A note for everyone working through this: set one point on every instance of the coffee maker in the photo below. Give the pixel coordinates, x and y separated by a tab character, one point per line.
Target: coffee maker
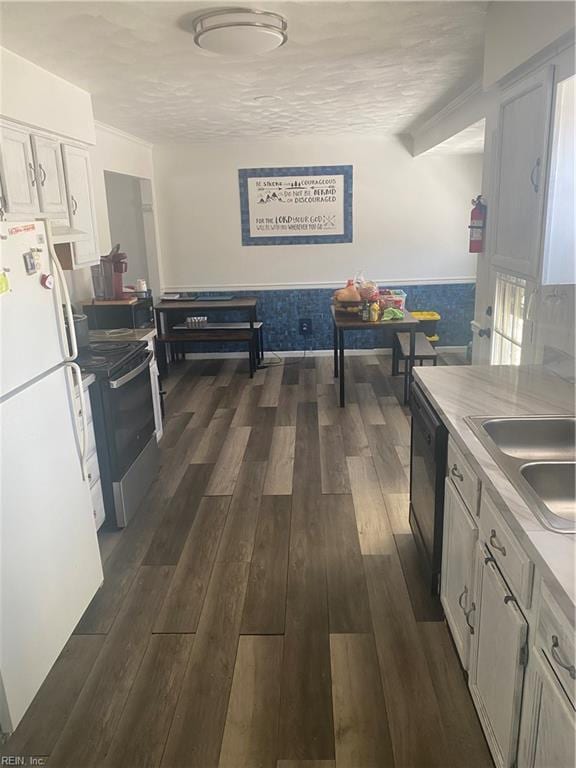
107	276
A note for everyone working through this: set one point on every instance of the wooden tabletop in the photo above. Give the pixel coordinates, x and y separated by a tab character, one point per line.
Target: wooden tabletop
354	322
240	303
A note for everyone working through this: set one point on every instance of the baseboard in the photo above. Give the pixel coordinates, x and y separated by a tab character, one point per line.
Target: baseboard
308	353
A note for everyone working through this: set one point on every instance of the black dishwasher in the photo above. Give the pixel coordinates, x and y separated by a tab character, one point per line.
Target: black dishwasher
427	472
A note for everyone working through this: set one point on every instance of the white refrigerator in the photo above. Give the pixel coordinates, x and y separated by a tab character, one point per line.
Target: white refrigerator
50	565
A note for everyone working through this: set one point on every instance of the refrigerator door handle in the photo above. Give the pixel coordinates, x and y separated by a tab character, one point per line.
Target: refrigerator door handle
73	344
77	375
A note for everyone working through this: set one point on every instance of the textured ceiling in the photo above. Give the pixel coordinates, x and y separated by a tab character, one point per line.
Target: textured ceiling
347	68
470	141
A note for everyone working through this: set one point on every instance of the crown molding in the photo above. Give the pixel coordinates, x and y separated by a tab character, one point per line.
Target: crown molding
122	134
456	103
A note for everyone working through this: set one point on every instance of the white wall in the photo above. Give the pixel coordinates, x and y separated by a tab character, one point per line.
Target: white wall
516	31
410	215
31	95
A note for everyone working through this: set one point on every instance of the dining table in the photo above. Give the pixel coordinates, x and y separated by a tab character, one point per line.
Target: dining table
344	322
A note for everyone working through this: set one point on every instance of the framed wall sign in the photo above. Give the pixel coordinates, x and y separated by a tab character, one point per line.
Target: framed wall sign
296	206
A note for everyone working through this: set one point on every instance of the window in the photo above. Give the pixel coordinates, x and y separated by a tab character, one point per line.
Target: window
508	320
559	244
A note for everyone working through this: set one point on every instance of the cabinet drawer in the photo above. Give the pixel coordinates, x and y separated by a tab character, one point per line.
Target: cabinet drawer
97	504
90	441
92	468
462	477
555	637
511	558
78	408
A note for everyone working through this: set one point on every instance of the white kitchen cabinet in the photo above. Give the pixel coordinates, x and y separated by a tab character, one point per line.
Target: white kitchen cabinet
457	581
19	180
548	720
92	465
518	205
49	175
498	659
80	205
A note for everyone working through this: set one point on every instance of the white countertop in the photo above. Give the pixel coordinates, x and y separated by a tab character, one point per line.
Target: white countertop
460	391
87	380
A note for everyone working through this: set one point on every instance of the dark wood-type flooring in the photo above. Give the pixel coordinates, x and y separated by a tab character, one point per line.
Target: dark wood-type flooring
265	608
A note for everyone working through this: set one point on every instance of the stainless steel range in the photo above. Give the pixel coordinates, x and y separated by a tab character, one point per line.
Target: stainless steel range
123	412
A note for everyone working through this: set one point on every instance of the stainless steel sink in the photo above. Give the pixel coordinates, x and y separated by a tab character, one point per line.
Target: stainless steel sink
538	455
553	482
543	438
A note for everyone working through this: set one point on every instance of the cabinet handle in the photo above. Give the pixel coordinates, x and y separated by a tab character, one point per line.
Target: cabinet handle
2	207
570	668
32	173
467	615
74	205
535	176
494	542
43	172
457	473
463	594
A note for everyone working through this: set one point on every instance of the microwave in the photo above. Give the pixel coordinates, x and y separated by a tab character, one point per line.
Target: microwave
119	314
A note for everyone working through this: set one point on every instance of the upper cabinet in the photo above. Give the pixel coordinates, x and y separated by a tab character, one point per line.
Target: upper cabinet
517	209
80	204
559	241
19	194
49	176
40	176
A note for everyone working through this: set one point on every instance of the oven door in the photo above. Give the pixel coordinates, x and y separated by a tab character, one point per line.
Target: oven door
425	475
129	415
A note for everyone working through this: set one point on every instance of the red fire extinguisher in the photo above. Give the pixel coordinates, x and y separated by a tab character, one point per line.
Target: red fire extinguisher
477	225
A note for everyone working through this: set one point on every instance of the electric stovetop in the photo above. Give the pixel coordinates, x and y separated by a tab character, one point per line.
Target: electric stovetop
105	358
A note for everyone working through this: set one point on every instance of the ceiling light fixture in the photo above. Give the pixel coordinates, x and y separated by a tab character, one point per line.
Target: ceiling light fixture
239	31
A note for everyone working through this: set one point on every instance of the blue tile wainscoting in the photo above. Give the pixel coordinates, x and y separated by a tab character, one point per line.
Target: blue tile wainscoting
281	311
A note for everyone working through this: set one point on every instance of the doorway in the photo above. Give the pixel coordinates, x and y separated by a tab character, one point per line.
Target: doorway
131	219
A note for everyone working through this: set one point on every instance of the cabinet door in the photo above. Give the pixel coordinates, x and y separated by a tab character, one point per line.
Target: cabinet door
497	665
81	203
525	114
548	720
456	590
18	174
49	175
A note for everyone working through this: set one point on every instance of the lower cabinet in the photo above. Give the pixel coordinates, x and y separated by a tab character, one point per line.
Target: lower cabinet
524	692
457	583
548	720
498	658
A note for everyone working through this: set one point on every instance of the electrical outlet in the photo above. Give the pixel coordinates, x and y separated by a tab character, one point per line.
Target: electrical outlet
305	327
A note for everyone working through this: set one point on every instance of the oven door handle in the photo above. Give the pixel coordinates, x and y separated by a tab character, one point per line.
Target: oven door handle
117	383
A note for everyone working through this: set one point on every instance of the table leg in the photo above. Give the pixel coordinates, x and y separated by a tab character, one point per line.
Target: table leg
335	351
410	365
251	357
341	354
